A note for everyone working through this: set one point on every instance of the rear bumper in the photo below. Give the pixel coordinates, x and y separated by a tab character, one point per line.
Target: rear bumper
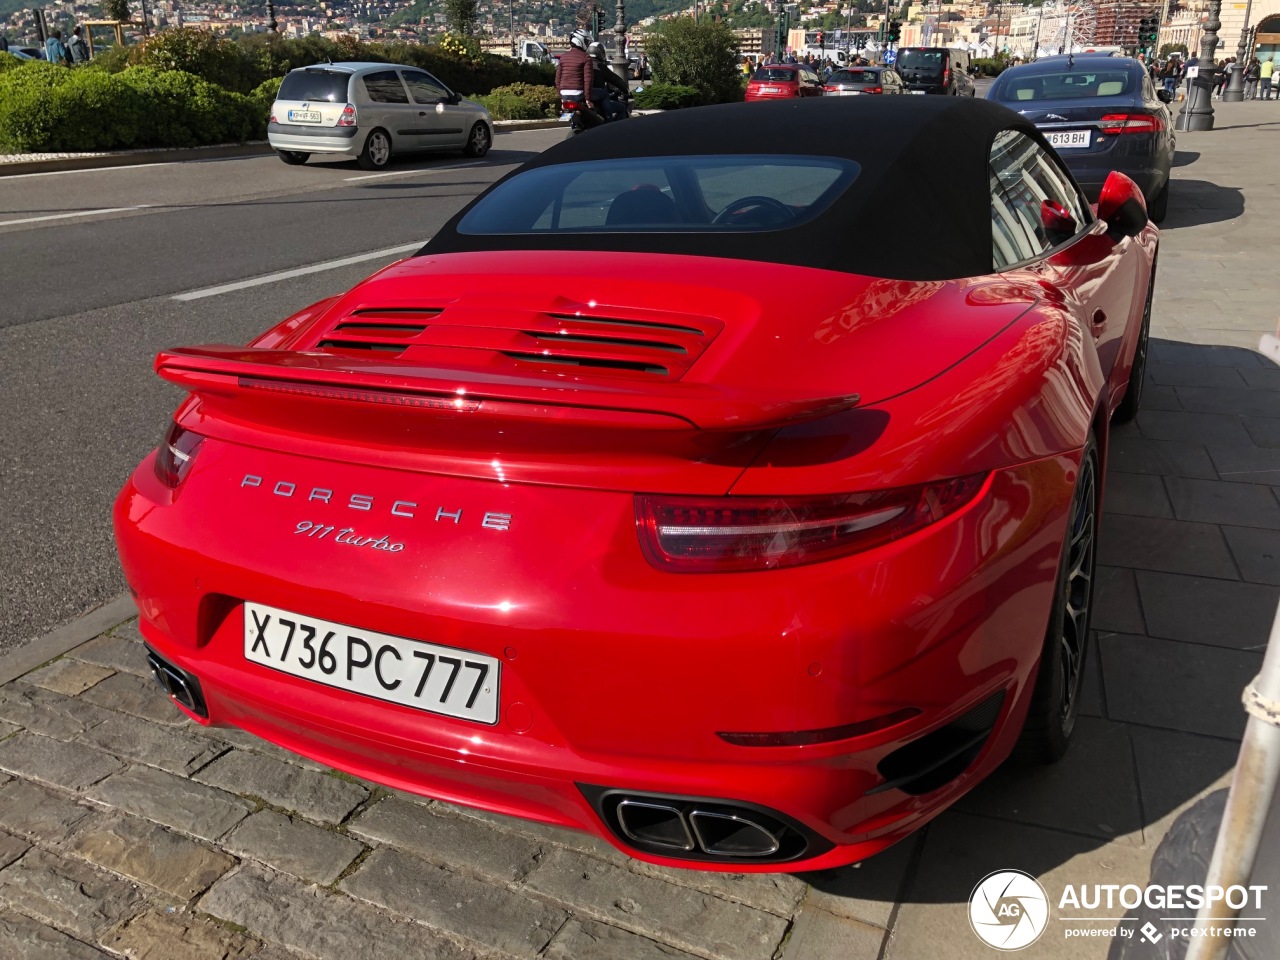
618	676
345	140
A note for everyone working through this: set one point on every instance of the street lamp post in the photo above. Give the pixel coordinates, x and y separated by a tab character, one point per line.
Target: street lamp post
271	17
1197	111
619	62
1035	49
1235	85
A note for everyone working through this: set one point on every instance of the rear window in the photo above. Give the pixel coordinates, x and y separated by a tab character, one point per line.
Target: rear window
774	73
855	76
927	60
1066	85
663	194
315	85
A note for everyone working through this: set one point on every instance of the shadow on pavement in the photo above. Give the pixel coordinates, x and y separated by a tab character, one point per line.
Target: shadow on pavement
1196	202
1182	158
1187	584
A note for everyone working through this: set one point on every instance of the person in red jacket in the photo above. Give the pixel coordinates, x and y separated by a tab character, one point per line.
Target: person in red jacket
574	77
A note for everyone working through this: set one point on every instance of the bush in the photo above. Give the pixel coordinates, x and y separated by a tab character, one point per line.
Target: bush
197	52
186	111
527	101
112	60
698	54
264	94
667	96
8	61
990	66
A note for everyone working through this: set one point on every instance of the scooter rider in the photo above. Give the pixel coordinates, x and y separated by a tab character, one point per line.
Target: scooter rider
574	77
606	83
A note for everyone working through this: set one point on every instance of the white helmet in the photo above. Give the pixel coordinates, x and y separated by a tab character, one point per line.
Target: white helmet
596	50
579	38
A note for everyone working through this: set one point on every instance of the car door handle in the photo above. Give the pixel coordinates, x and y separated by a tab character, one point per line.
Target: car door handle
422	113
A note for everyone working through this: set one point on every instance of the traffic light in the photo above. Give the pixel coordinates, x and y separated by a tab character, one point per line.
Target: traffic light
895	31
596	21
784	27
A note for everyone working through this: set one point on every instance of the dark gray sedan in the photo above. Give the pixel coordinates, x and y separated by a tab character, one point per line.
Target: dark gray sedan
860	80
1100	113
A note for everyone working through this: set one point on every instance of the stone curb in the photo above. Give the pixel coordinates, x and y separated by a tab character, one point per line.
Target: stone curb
57	642
132	158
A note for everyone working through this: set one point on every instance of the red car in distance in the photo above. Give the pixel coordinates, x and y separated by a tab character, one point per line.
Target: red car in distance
783	81
626	506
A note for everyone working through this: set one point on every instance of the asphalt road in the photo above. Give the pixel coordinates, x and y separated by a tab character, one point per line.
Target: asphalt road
90	264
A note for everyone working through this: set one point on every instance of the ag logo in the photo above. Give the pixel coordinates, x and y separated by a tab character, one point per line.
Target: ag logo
1008	910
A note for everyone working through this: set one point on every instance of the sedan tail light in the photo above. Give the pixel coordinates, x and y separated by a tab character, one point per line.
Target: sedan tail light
176	454
348	118
874	90
727	534
1131	123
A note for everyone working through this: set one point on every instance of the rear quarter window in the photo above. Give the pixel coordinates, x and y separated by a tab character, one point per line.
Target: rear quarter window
315	85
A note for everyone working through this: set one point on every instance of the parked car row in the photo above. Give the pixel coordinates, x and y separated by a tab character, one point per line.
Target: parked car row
918	70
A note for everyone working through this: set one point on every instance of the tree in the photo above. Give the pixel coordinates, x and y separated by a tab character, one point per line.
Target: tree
461	15
1169	48
116	9
703	55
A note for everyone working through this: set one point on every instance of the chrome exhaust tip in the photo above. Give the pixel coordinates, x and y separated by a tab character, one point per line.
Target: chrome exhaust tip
182	687
657	824
733	834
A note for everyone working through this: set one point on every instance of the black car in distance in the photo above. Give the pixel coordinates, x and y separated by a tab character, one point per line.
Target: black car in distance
937	70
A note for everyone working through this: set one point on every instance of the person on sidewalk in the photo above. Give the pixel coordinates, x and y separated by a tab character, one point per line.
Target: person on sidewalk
1170	73
78	49
54	49
1251	74
1265	73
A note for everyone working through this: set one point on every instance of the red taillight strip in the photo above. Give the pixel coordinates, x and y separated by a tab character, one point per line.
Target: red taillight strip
864	522
1114	123
804	738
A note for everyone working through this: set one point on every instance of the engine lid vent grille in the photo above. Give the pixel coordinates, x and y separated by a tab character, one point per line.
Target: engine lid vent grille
381	329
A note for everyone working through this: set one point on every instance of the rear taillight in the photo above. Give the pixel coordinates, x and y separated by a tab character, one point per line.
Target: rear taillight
946	76
348	118
875	90
727	534
271	118
831	89
1131	123
176	454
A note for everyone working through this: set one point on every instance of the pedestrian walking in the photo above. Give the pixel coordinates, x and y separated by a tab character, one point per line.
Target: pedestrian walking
78	49
54	49
1221	75
1170	73
1265	72
1251	74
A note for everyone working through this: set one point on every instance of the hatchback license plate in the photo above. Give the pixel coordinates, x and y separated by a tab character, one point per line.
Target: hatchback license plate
445	680
1067	139
305	116
770	89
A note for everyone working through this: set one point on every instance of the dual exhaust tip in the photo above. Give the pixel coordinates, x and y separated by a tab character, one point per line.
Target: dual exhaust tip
717	832
182	687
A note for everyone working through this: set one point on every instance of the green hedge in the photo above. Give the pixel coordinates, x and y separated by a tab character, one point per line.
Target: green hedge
8	61
47	108
521	101
990	66
667	96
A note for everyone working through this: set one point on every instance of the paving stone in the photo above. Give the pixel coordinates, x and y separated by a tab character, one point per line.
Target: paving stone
818	935
63	764
1197	427
11	848
68	677
37	813
46	713
469	844
1239	400
1115	601
1256	552
123	651
69	894
777	893
1176	769
168	748
320	924
1201	610
1156	396
1172	546
1265	431
1179	686
170	935
314	795
1194	354
457	904
1092	791
147	852
664	911
1222	501
1130	452
177	802
1267	378
1135	494
589	940
578	840
1196	375
247	741
293	846
22	938
865	891
1093	701
1247	463
136	696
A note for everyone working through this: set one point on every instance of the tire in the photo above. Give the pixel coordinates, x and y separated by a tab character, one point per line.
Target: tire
377	150
293	157
1127	409
1158	206
479	140
1055	700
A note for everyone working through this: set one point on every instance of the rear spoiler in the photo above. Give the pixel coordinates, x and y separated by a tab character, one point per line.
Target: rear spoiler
219	370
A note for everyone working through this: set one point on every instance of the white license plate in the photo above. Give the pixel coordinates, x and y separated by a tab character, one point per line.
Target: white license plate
305	116
566	117
456	683
1068	139
920	93
770	89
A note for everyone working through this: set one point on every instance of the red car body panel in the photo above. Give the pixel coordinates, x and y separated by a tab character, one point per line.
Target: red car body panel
616	673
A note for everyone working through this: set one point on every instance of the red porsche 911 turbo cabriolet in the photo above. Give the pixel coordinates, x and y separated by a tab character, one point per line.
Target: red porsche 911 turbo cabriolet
650	499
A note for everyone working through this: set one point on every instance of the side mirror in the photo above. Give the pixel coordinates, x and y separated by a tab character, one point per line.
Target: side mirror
1164	96
1121	206
1059	225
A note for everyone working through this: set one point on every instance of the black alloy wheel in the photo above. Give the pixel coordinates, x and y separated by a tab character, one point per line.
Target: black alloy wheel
1055	702
1127	408
293	157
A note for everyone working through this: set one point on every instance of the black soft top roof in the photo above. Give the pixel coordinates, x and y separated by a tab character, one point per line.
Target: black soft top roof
923	187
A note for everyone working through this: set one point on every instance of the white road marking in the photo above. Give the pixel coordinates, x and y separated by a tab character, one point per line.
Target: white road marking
297	272
5	178
395	173
68	216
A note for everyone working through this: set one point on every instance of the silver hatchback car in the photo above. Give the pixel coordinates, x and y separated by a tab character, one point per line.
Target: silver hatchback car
371	111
